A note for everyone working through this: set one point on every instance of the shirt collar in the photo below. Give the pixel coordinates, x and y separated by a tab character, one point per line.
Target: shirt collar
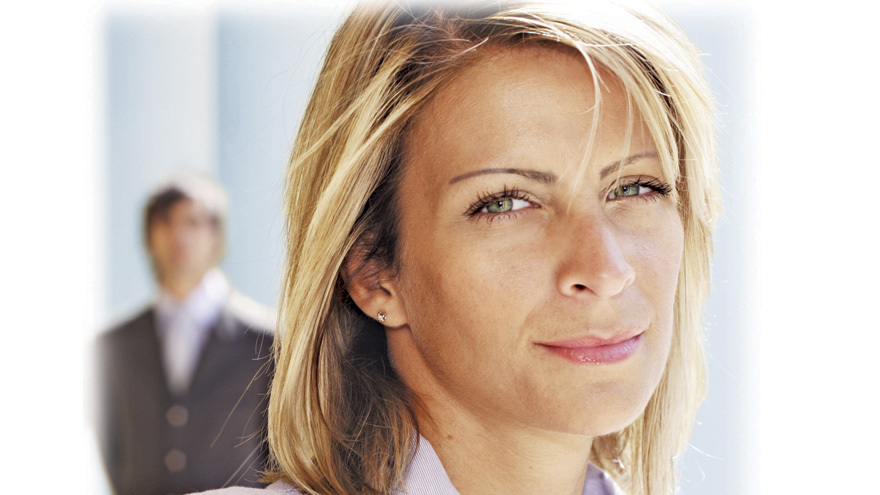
426	475
202	306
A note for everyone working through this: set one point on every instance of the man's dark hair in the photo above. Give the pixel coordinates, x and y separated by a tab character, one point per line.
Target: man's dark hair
181	187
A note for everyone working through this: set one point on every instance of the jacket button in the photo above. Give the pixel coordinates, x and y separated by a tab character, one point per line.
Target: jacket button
177	415
175	460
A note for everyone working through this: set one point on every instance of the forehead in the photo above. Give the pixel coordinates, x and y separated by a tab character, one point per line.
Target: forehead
509	103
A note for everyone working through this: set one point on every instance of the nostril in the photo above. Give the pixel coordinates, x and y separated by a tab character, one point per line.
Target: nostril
580	287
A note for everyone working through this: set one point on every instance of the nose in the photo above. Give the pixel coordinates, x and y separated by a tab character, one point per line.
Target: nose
594	263
181	232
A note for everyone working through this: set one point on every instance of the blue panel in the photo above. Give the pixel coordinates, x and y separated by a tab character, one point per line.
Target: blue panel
266	69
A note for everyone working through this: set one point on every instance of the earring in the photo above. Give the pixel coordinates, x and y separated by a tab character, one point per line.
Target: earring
382	317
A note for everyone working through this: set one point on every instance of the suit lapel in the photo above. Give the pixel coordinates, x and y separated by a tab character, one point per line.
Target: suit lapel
214	357
146	355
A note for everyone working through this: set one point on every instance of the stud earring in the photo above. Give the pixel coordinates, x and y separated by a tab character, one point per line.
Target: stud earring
382	317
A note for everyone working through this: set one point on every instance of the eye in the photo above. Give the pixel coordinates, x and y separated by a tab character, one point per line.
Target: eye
628	190
639	187
498	204
504	205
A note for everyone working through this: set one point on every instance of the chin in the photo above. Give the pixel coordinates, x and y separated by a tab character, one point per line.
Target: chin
607	412
617	422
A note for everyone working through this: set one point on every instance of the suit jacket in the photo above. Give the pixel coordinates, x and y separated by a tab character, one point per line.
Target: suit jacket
214	436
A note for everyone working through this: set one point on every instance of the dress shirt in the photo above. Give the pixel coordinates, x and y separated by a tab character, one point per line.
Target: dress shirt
425	476
183	327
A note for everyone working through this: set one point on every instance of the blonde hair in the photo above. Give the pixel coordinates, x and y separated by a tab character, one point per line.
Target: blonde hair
340	420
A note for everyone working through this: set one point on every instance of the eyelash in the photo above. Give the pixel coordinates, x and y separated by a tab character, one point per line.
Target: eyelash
656	185
486	199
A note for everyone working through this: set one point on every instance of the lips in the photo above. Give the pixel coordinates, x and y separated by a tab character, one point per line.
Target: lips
597	350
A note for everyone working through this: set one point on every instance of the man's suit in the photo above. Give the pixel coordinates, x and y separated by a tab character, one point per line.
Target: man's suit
154	442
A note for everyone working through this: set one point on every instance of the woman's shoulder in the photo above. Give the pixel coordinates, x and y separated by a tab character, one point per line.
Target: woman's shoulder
598	482
277	488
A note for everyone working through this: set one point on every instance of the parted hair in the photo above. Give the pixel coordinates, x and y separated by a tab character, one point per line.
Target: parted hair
341	421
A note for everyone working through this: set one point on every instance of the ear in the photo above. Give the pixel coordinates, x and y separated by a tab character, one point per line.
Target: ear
373	288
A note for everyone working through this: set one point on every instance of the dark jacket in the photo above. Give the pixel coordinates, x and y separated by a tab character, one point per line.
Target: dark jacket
214	436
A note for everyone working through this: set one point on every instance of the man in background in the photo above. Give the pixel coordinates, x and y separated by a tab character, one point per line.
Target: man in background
183	383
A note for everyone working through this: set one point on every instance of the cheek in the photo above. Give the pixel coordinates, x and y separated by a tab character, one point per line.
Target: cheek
480	278
656	254
440	291
458	299
669	260
158	240
659	258
206	240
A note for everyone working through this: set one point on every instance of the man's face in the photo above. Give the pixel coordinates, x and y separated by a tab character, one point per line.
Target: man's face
184	243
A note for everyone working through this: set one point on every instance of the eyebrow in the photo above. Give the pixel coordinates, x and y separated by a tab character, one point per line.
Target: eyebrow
614	167
550	178
545	177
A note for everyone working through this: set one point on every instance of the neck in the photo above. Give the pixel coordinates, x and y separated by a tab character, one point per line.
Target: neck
180	286
505	459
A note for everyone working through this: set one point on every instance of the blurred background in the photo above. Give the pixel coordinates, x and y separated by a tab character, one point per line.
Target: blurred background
108	98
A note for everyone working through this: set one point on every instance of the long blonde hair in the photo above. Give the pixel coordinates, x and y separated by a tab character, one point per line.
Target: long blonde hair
340	420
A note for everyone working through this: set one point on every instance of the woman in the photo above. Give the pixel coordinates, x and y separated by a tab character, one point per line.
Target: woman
499	222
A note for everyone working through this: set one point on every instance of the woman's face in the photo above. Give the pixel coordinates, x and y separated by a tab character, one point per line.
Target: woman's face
534	297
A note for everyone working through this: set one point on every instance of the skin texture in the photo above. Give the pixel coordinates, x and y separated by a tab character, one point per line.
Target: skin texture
477	293
184	244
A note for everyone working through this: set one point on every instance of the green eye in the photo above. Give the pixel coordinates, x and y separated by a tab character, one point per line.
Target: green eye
501	203
652	188
500	206
626	191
